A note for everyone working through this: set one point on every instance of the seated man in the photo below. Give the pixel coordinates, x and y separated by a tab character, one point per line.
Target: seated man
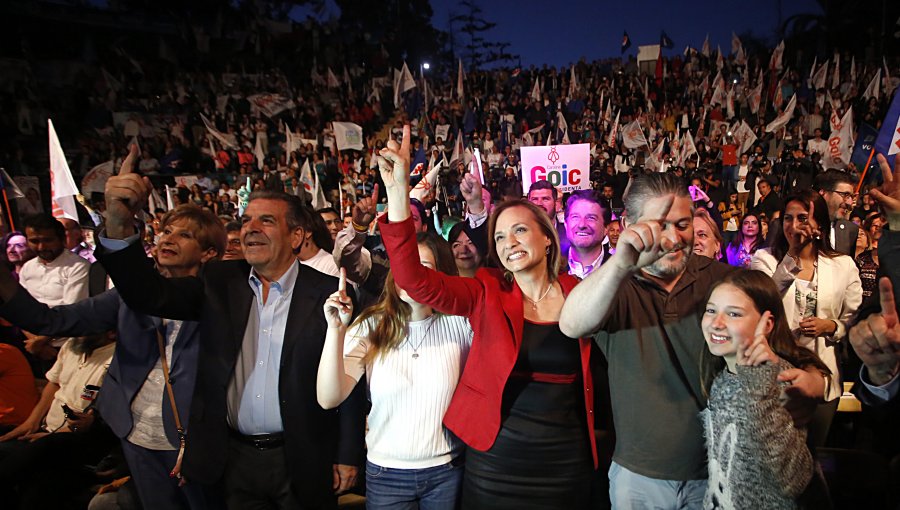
41	459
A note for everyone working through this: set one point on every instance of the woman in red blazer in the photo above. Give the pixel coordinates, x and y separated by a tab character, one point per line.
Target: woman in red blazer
524	404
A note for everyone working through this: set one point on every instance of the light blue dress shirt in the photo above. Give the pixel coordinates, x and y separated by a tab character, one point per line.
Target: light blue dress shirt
260	410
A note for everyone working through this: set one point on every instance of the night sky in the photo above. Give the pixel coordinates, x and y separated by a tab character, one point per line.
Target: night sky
558	33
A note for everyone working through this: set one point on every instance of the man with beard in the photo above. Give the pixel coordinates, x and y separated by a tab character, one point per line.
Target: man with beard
643	307
836	188
585	230
41	460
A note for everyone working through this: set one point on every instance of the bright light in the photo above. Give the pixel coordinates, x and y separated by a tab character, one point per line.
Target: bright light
426	66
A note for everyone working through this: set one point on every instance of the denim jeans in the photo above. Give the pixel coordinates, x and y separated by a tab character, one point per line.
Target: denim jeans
631	491
434	488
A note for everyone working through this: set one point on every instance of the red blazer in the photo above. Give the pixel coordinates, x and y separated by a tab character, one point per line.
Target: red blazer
494	308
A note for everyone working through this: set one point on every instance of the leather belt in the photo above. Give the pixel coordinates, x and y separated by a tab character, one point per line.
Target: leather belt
259	441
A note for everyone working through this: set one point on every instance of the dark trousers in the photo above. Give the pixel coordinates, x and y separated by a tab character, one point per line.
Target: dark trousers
257	479
52	471
150	472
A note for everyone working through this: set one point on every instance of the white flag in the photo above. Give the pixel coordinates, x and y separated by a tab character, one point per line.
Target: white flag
874	88
563	126
458	150
633	135
704	50
840	142
735	43
818	80
729	103
784	117
718	95
852	70
720	61
9	184
258	152
756	94
170	202
348	135
460	79
422	188
573	82
655	162
536	91
688	148
95	180
745	136
318	195
407	82
333	82
777	55
836	77
613	133
225	139
306	179
62	186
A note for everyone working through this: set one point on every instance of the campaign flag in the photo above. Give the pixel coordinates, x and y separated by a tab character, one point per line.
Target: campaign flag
562	126
655	161
853	69
62	186
818	80
425	185
407	82
718	95
874	88
573	82
745	136
775	62
318	194
720	60
460	79
348	135
812	70
784	117
626	42
566	167
840	142
614	132
665	41
442	131
458	150
704	50
836	76
225	139
333	82
729	103
756	94
688	148
536	91
888	141
7	183
271	105
735	43
95	180
259	153
306	177
633	136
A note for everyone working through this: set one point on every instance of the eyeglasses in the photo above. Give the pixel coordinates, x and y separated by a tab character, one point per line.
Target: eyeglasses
845	194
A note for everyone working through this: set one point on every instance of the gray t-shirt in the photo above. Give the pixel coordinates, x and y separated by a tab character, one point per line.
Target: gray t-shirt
652	340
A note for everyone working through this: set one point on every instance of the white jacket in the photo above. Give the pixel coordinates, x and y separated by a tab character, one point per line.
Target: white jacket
839	293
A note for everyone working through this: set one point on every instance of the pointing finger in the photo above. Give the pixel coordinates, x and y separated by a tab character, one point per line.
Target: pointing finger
375	193
342	283
762	324
885	168
404	147
888	305
660	209
128	164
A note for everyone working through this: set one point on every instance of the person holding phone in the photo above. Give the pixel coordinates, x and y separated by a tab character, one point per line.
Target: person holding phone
820	290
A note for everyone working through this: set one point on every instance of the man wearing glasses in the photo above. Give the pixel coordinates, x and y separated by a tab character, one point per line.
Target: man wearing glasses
837	188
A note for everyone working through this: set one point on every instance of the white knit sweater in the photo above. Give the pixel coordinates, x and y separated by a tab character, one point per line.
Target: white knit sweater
411	394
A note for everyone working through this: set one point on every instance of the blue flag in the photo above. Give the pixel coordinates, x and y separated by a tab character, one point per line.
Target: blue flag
664	41
888	142
626	42
865	140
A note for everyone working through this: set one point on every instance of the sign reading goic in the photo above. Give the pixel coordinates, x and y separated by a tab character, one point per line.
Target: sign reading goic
566	167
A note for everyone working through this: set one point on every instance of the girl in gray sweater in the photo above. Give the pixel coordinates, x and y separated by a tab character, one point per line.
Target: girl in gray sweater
757	457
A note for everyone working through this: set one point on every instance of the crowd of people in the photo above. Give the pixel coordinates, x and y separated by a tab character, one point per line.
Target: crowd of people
258	316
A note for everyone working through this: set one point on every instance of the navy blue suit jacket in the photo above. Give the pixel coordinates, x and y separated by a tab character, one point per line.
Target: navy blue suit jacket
137	351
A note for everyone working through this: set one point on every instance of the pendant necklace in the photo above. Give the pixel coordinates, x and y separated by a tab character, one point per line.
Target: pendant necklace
422	338
535	303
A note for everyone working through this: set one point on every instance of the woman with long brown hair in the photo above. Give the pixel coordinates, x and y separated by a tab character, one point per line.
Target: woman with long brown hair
524	404
820	290
412	358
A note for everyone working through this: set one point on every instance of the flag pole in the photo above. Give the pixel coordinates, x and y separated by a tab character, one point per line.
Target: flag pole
858	185
12	226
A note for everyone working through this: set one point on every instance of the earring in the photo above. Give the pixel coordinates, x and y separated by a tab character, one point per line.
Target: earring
548	250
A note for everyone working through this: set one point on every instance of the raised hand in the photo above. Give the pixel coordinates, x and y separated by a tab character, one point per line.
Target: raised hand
365	209
338	307
470	187
126	194
876	339
643	243
888	195
756	351
394	164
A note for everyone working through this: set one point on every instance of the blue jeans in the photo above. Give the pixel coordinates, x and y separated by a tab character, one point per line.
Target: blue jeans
434	488
631	491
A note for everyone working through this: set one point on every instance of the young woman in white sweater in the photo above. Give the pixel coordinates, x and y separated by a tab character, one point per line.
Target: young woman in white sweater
412	358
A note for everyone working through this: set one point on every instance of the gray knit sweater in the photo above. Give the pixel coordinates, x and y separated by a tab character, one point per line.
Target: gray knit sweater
757	458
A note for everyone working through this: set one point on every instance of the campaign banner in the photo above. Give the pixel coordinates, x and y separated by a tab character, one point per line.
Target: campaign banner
566	167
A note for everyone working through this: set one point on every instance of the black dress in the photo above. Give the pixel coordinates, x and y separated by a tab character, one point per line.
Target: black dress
542	456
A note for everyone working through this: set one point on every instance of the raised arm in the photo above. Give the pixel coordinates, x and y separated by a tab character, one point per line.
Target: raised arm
335	378
640	244
90	316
